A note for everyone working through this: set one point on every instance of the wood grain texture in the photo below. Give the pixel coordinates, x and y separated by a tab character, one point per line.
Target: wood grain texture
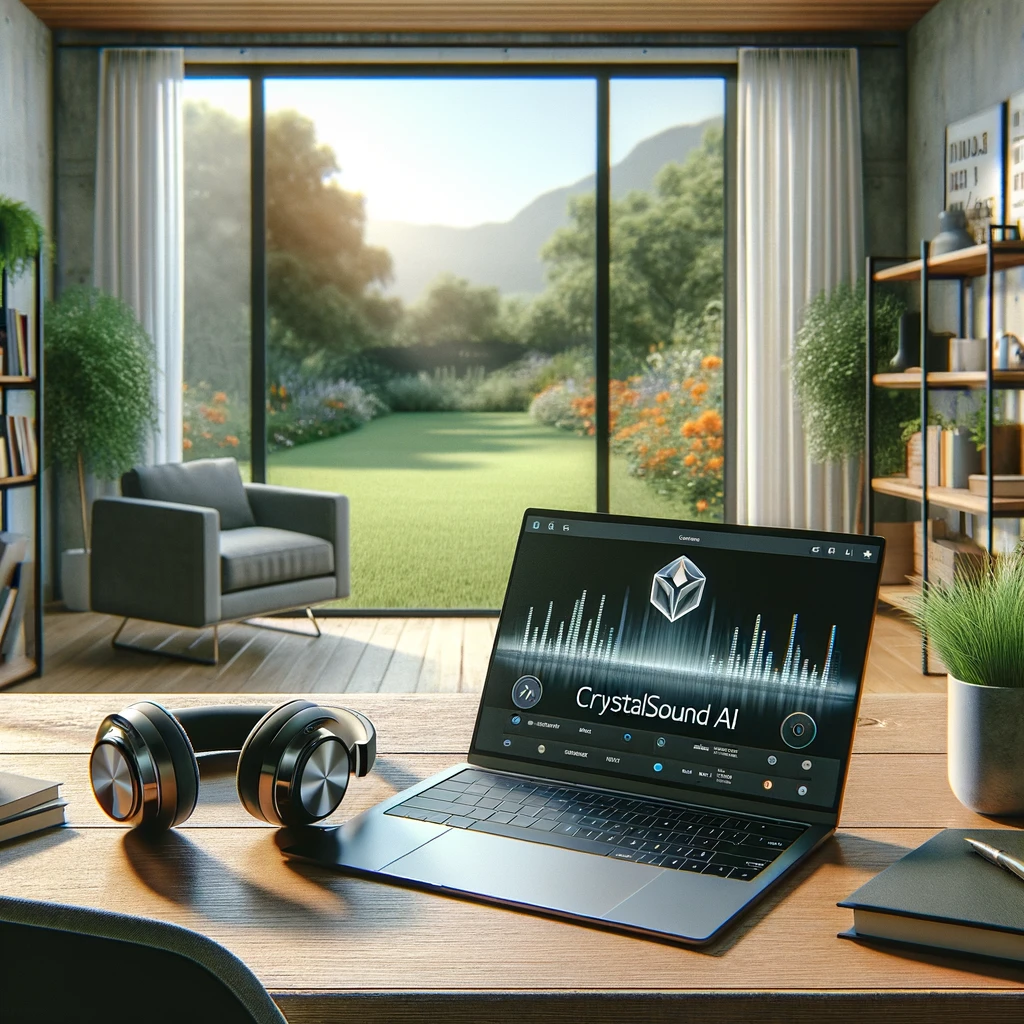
483	15
360	655
410	723
332	947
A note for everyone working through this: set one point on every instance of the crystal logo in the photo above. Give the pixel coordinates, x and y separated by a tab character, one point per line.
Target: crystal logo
677	588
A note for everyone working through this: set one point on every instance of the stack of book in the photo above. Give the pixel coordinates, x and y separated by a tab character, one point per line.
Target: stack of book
15	351
19	455
952	458
28	805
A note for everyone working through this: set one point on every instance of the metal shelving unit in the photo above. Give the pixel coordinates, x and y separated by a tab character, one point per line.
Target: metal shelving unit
960	267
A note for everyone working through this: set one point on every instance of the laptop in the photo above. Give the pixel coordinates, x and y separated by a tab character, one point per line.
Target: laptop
664	731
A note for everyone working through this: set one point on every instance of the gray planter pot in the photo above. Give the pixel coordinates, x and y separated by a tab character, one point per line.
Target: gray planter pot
985	752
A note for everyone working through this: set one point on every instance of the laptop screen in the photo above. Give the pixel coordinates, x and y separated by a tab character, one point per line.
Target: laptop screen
689	655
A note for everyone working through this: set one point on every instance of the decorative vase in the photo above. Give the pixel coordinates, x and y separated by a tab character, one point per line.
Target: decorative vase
74	579
953	233
985	759
909	352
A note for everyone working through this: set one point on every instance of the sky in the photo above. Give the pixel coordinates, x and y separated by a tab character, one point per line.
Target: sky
469	151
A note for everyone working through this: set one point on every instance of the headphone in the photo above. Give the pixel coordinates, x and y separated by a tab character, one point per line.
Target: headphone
294	760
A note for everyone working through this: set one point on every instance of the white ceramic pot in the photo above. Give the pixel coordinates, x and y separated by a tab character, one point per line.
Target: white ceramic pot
74	579
985	756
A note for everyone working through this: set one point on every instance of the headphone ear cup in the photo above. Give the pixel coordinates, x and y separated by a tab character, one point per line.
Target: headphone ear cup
254	757
183	762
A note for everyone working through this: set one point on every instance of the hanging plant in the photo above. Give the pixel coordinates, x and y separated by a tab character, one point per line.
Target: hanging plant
21	236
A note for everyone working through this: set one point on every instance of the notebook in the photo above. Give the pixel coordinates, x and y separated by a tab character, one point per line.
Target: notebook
944	896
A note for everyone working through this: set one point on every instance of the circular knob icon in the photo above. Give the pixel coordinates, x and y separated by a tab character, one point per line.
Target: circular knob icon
798	730
526	692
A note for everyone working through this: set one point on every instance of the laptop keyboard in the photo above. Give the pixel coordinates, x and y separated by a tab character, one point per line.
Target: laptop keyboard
626	828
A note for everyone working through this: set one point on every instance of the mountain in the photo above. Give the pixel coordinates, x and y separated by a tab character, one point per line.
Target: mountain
508	254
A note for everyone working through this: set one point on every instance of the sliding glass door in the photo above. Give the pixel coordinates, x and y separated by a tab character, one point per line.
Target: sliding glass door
441	334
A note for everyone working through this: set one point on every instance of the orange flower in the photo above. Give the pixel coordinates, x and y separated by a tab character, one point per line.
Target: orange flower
213	415
711	362
184	388
690	460
689	428
230	439
662	397
716	463
207	435
702	505
186	427
220	397
186	444
698	391
282	392
710	422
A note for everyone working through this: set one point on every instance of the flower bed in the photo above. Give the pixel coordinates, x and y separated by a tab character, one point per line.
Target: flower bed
666	422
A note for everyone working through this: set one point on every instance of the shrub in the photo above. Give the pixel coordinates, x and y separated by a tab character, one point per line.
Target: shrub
440	391
302	411
566	404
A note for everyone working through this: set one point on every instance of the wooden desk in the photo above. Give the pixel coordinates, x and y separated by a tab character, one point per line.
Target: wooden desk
330	947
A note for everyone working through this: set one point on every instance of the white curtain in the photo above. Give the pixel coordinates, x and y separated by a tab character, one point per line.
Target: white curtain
139	240
800	231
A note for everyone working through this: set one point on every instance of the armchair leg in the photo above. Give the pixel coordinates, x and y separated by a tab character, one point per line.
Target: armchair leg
287	629
194	659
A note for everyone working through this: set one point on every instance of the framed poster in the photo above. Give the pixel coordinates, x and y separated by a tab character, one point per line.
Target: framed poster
975	169
1015	164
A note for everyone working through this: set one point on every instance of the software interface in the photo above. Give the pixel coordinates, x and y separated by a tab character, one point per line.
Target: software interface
687	655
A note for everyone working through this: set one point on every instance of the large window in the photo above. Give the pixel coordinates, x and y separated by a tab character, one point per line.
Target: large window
441	334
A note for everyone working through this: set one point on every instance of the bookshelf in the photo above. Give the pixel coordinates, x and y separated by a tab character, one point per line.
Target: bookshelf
961	267
27	377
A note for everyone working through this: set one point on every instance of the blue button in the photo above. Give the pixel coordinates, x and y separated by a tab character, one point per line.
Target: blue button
516	719
508	743
661	741
627	736
658	766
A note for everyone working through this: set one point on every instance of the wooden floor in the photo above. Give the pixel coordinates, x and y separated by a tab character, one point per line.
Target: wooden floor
358	655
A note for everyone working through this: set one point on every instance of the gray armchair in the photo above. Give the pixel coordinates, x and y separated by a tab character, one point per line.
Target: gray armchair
189	544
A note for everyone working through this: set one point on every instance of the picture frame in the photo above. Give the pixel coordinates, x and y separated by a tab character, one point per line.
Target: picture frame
1015	162
974	168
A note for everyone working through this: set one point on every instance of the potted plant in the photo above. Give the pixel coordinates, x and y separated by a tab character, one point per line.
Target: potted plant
976	624
21	236
100	409
829	368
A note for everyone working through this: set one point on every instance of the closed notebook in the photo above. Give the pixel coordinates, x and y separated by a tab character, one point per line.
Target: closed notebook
943	895
19	793
35	820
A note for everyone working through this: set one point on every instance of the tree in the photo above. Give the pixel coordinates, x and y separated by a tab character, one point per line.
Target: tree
666	261
453	310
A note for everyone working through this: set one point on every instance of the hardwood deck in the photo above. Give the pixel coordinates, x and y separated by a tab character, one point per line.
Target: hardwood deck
354	655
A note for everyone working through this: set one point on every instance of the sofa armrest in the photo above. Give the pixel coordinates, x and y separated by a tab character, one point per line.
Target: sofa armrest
316	513
155	560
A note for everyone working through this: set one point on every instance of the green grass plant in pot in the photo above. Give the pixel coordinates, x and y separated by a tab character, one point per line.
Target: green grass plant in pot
976	624
100	409
829	369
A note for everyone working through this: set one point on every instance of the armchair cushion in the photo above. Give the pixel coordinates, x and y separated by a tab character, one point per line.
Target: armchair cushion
214	483
259	556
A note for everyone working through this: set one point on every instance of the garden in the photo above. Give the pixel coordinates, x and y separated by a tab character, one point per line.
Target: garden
390	403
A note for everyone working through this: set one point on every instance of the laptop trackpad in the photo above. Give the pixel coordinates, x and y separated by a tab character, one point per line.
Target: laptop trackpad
529	874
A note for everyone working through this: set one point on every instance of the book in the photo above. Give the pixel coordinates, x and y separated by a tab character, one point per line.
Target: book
34	820
1004	485
19	793
10	637
944	896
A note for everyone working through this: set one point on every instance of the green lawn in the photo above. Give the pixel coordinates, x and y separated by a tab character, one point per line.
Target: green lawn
437	498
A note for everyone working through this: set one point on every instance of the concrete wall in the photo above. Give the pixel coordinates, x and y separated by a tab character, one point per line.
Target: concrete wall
26	170
962	57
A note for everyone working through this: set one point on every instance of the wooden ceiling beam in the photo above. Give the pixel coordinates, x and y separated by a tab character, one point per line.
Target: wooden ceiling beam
482	15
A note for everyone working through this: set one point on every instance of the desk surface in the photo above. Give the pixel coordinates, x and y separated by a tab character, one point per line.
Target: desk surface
333	947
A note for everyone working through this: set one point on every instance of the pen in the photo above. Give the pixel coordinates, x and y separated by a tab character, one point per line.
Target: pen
1000	857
